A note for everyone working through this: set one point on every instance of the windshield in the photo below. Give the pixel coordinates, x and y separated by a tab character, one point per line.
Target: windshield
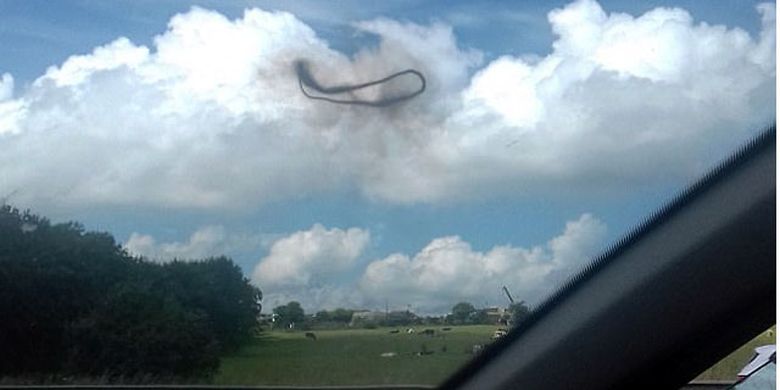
763	378
312	193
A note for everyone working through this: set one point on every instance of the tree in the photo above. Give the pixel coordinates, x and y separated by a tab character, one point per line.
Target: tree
217	287
135	332
479	317
342	315
50	276
290	313
399	318
518	311
322	316
75	302
461	312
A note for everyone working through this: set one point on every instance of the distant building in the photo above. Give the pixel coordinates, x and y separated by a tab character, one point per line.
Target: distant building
401	317
495	315
367	317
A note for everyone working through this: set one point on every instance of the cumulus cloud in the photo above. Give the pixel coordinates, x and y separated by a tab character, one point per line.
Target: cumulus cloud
11	111
6	87
207	241
319	297
617	92
326	268
312	267
309	256
211	116
448	270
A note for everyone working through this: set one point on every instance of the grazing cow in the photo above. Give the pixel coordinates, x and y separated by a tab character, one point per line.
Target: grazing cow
424	351
310	335
394	331
409	330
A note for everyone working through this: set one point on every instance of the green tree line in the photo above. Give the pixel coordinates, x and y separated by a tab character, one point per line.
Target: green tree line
462	313
76	303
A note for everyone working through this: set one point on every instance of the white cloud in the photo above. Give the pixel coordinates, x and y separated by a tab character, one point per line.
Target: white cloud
6	87
324	269
312	267
202	243
448	270
211	115
617	93
327	267
78	68
309	257
315	298
207	241
11	111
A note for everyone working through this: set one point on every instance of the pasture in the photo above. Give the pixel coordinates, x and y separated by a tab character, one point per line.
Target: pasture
352	357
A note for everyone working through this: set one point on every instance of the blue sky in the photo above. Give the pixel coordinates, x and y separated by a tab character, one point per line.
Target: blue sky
36	34
539	142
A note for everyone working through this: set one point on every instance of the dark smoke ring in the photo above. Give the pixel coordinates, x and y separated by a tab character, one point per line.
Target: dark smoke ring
305	79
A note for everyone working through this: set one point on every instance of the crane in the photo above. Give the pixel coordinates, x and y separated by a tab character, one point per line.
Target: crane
509	309
508	295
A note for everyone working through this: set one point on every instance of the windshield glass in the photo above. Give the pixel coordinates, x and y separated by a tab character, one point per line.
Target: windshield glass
317	193
764	378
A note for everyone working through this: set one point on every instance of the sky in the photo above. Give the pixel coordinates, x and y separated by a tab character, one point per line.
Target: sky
546	131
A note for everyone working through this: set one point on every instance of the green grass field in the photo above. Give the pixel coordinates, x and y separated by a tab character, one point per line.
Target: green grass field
352	357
